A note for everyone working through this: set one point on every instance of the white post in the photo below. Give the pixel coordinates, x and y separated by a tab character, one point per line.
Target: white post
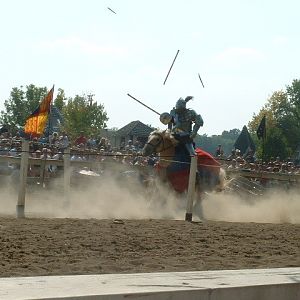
23	179
67	176
191	189
43	170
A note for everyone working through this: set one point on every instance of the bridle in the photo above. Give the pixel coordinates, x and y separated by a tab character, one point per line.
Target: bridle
162	140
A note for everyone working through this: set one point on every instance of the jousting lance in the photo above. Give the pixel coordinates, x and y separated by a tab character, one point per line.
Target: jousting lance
143	104
200	80
171	67
112	10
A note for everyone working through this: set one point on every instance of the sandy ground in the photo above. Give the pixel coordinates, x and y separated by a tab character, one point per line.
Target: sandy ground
80	236
61	246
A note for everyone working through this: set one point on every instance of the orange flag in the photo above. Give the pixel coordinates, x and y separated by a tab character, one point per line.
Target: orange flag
36	122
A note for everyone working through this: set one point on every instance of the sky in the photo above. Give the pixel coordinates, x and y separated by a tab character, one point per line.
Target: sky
244	51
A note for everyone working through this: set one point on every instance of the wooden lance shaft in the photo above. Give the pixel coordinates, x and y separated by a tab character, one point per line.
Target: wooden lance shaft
144	104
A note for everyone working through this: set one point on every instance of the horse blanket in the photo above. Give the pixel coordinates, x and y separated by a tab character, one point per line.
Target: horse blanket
178	170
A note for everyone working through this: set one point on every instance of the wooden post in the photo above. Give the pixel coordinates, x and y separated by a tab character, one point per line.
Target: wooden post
43	170
67	176
23	179
191	189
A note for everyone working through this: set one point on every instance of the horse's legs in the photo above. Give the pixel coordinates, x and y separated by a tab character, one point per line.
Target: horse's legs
198	209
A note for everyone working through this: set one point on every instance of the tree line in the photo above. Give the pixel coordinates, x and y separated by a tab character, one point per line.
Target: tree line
282	111
80	113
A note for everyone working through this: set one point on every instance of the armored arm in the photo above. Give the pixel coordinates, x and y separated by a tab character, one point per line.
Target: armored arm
172	121
198	122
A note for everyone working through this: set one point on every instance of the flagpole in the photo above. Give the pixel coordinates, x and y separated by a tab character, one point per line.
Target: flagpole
262	134
264	138
263	148
49	119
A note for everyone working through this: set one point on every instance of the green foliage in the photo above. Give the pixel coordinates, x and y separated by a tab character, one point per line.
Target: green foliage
80	115
288	117
21	104
282	112
276	145
60	99
226	139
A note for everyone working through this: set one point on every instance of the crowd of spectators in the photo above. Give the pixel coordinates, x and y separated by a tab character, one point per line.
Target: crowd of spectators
248	161
82	148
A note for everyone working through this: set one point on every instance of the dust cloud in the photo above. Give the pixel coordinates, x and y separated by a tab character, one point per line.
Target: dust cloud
275	206
105	198
101	198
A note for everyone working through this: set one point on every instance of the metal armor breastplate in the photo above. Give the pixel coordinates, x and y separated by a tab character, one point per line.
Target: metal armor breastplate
182	122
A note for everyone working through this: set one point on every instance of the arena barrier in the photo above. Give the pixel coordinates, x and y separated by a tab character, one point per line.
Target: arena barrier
25	160
249	284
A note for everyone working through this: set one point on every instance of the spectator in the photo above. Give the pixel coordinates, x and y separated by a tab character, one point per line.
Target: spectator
17	137
54	139
35	144
91	142
137	145
63	142
102	143
81	139
129	146
43	140
233	155
219	151
233	165
249	157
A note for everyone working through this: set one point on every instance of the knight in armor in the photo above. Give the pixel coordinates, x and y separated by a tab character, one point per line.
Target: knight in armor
184	123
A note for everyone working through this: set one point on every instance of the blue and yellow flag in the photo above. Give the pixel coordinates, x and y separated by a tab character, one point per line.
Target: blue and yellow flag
36	122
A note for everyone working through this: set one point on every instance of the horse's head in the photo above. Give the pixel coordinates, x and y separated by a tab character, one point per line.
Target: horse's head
159	141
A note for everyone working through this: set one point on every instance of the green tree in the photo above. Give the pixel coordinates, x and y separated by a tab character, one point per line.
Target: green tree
60	99
282	112
210	143
80	115
276	145
271	110
288	116
21	104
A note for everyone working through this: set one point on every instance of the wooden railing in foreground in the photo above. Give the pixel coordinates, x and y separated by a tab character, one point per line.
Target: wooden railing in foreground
258	284
264	175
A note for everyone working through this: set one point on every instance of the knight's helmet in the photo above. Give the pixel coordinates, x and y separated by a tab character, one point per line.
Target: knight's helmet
181	103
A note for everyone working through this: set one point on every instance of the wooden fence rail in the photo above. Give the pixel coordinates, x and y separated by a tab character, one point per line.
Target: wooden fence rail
24	161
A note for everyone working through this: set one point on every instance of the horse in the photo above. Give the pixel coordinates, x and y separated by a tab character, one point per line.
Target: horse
174	164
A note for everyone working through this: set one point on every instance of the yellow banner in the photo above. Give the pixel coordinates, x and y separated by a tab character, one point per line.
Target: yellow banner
36	122
35	125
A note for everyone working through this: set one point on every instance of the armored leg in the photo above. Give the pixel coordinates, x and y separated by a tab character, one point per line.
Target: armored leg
190	149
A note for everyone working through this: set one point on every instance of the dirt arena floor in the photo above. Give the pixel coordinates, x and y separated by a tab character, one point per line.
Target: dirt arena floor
64	246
